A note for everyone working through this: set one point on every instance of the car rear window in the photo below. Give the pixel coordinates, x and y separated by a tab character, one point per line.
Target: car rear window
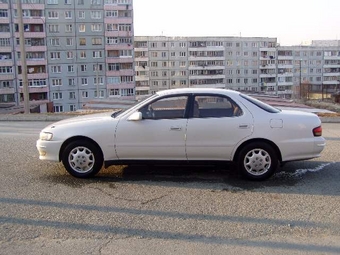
260	104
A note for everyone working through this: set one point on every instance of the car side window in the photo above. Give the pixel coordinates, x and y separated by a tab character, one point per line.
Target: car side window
215	107
165	108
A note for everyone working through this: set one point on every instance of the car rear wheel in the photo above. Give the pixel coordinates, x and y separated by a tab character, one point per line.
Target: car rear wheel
82	159
257	161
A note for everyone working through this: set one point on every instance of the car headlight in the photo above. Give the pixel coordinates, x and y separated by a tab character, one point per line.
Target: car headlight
46	136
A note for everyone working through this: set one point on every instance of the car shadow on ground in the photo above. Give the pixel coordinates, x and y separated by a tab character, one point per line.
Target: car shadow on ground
311	173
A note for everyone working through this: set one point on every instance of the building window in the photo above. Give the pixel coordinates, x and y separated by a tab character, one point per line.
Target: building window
50	15
68	15
73	108
97	54
68	28
96	27
97	41
70	68
53	28
95	2
55	55
57	82
96	14
82	28
81	14
83	54
52	1
69	55
82	41
84	81
101	94
55	69
58	108
85	94
83	68
69	41
182	54
113	80
54	42
110	14
57	95
99	82
71	82
114	92
72	95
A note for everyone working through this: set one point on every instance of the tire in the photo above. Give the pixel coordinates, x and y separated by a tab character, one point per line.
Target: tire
82	159
257	161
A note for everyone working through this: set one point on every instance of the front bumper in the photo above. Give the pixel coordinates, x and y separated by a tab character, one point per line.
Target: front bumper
48	150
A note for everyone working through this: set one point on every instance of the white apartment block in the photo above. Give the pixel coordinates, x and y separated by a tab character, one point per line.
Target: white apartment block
77	51
238	63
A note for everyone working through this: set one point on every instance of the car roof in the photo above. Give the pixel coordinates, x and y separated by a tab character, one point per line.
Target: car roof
197	91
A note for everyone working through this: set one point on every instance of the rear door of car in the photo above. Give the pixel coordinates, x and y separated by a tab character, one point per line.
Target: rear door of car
217	128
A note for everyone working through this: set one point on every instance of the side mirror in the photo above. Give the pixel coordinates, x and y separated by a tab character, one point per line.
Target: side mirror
135	116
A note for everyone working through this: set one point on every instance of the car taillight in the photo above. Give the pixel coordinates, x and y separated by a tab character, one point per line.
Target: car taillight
317	131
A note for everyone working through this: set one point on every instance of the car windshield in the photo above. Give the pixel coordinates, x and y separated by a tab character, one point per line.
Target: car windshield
260	104
121	111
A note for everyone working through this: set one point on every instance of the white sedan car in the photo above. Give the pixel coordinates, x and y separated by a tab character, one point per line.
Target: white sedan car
186	126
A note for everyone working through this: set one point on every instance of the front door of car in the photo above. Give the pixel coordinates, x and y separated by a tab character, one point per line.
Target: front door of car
159	135
216	127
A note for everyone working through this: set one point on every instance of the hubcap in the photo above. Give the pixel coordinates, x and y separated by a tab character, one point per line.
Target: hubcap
257	162
81	159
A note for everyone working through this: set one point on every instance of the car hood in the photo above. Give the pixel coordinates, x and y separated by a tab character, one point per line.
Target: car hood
84	118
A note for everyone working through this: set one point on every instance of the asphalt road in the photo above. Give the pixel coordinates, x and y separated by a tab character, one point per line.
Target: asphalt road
163	210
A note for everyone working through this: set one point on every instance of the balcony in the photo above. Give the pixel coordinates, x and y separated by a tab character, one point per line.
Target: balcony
7	91
140	68
268	66
207	77
206	67
118	33
119	60
142	78
332	57
119	20
332	74
112	7
204	58
35	76
268	49
7	62
32	35
4	77
119	47
267	75
33	62
31	20
120	72
285	57
35	89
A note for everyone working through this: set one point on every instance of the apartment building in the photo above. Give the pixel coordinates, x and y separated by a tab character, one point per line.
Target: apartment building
10	56
77	51
239	63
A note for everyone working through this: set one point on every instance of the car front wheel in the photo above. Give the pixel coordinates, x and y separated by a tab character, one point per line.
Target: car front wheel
82	159
257	161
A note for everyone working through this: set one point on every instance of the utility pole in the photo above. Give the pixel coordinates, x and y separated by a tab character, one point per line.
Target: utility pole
300	80
97	78
23	59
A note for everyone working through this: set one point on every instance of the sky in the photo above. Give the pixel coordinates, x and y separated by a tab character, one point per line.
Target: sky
292	22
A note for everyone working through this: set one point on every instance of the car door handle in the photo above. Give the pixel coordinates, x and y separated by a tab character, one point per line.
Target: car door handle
176	128
244	126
